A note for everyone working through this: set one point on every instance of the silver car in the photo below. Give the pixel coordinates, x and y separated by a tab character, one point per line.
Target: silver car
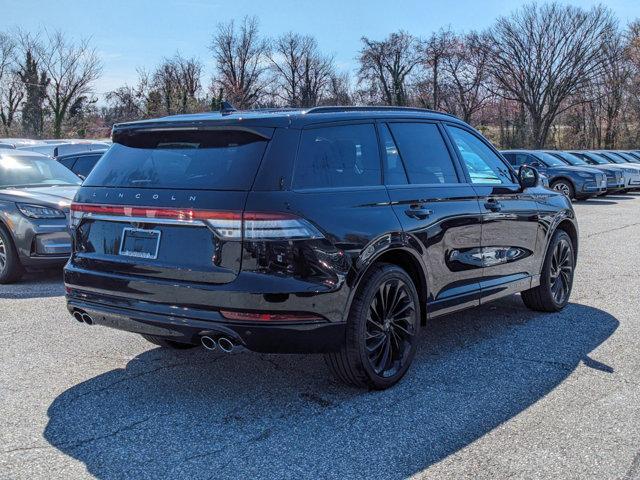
35	194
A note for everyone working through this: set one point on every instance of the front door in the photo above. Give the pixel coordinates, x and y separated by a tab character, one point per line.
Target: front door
510	219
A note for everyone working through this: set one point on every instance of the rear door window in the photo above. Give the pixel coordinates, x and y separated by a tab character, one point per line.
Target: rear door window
68	162
338	156
424	154
195	160
85	164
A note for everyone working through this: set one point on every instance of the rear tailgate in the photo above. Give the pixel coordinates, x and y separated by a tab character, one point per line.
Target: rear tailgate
168	205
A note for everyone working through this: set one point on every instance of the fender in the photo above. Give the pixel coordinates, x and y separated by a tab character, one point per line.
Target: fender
384	244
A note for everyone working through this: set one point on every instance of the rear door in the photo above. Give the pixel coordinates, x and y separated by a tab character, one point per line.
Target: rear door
168	204
510	219
436	207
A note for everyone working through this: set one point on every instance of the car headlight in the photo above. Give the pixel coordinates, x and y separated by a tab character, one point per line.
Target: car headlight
586	175
39	211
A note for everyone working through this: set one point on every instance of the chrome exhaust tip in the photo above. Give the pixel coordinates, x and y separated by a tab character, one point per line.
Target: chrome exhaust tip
86	318
226	345
208	343
78	317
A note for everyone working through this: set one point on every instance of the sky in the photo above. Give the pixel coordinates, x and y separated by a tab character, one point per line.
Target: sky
139	33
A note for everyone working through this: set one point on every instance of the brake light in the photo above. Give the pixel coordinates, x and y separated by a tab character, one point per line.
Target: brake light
270	317
227	225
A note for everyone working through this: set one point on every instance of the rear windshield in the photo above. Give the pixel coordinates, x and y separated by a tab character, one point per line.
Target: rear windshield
194	160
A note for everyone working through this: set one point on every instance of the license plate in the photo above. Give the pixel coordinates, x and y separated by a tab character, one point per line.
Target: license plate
140	243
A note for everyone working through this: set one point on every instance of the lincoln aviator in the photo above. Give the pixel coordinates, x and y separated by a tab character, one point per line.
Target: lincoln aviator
335	230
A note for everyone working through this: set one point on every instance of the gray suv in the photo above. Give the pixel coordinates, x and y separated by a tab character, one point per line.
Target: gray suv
575	182
35	194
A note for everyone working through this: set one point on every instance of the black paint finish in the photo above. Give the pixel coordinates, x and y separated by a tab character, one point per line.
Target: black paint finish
463	243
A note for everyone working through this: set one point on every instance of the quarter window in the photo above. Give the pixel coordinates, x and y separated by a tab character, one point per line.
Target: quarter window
340	156
424	153
483	164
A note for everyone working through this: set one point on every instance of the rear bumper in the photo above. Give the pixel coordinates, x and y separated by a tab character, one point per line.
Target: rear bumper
316	337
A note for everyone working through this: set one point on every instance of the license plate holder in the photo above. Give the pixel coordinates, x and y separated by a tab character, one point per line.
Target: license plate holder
140	243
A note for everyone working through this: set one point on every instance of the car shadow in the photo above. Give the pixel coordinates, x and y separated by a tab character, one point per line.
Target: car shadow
36	284
597	201
199	415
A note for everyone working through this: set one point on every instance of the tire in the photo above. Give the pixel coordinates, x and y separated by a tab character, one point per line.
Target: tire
565	187
163	342
557	274
10	267
361	361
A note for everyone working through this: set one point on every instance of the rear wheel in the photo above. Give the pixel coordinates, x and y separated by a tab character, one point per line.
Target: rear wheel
565	187
556	279
382	330
163	342
10	267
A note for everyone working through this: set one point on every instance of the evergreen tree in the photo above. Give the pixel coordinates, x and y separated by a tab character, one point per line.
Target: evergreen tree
35	86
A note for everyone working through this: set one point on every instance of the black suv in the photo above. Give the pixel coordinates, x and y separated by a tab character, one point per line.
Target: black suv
335	230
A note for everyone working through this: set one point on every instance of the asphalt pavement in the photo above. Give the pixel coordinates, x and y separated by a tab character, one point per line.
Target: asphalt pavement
495	392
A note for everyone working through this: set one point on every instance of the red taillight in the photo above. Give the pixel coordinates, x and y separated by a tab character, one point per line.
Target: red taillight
186	215
270	317
227	225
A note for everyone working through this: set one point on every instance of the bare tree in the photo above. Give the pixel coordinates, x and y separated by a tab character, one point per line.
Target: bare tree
339	90
71	68
466	75
386	65
301	73
11	88
541	56
241	61
435	50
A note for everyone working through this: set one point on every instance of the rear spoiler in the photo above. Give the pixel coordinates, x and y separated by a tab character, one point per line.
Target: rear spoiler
120	133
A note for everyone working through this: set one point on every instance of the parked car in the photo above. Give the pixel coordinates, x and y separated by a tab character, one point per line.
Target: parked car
615	175
55	150
629	156
632	168
20	142
336	230
35	194
81	163
575	182
595	159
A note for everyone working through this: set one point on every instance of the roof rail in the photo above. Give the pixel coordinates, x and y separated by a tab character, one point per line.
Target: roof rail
334	109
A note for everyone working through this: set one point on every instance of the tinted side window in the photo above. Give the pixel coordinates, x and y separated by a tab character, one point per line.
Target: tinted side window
85	164
340	156
517	159
394	172
68	162
424	153
483	164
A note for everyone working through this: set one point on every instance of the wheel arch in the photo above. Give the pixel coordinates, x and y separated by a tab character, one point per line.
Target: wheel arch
565	179
410	262
569	227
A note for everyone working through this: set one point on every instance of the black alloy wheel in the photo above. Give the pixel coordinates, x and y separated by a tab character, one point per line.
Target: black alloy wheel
556	278
390	327
382	330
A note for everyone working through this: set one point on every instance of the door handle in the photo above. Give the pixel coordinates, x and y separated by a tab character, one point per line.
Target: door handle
418	211
493	205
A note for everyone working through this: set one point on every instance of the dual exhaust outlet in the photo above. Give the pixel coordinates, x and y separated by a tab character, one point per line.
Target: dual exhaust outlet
225	344
83	317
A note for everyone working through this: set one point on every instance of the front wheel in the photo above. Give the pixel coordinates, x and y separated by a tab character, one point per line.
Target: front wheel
382	330
10	267
564	187
556	279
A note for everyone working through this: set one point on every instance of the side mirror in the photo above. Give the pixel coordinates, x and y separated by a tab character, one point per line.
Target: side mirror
528	176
